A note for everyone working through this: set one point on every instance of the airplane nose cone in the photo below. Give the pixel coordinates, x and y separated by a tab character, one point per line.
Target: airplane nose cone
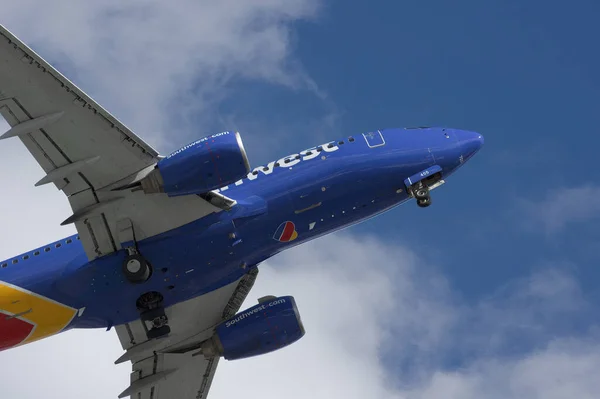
470	143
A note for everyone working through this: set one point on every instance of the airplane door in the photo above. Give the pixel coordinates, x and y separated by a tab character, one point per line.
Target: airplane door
374	139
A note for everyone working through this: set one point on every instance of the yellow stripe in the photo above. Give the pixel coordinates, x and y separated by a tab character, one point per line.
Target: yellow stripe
49	317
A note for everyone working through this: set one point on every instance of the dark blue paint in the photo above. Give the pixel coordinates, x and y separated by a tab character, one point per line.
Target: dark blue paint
522	72
263	328
333	186
204	165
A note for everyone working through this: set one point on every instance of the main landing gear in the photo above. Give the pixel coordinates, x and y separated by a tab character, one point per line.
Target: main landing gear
153	315
150	305
421	193
138	270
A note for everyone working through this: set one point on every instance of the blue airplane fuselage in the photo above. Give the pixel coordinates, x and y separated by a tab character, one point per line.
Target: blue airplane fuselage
317	192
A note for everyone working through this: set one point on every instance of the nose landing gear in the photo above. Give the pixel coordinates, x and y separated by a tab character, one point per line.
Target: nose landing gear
420	184
421	193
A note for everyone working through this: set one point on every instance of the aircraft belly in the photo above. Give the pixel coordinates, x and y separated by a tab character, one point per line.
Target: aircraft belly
200	257
187	263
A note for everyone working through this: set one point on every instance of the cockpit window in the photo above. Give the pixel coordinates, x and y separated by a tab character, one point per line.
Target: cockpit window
374	139
417	127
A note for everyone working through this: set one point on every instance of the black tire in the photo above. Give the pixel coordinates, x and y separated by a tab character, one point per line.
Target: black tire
421	192
149	300
136	269
424	202
158	332
152	314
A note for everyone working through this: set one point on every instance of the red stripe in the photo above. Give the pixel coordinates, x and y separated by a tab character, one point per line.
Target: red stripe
13	331
287	232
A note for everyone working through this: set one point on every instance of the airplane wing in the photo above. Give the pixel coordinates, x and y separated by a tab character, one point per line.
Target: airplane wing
84	150
172	367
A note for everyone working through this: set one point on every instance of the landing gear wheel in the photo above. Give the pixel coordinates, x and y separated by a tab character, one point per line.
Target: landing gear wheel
136	269
158	332
158	322
148	301
424	202
421	192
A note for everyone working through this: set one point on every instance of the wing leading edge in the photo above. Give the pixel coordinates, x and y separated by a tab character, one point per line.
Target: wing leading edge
82	149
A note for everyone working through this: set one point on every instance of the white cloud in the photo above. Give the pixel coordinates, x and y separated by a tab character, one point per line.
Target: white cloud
155	65
366	304
563	206
361	301
158	65
562	370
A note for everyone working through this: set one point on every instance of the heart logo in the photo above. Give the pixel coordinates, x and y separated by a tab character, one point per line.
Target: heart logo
286	232
14	331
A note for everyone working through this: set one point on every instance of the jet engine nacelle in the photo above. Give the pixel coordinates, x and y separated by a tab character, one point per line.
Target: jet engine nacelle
202	166
272	324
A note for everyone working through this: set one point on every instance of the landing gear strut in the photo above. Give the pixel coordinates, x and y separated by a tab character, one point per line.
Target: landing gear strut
421	193
152	314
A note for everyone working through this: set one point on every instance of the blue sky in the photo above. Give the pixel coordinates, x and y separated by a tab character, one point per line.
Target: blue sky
521	73
496	281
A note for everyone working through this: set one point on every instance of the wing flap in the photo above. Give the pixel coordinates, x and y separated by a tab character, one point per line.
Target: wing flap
169	376
82	148
168	367
23	71
32	125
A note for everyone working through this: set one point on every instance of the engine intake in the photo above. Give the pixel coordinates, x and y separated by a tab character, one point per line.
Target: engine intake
202	166
266	327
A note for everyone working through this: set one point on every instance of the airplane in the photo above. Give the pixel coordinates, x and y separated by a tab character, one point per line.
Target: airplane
168	247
